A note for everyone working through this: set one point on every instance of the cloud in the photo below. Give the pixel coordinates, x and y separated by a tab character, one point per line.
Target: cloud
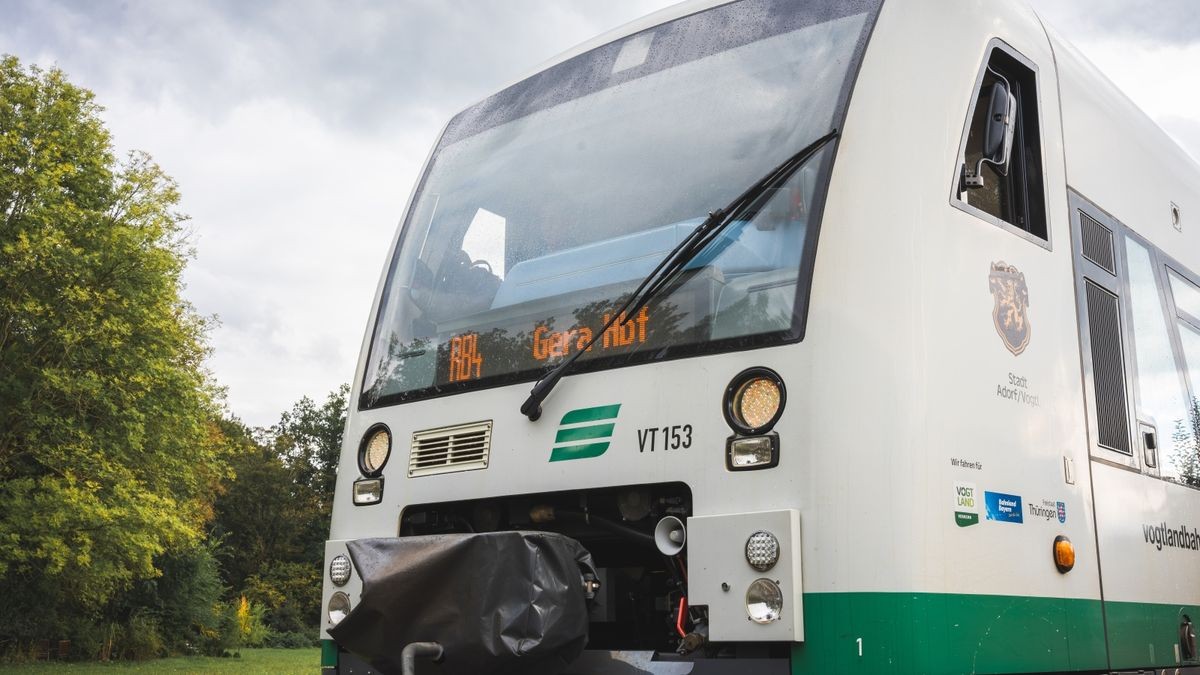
359	65
1159	78
1155	21
295	130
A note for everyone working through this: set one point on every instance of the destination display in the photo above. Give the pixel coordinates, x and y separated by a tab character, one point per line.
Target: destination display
470	356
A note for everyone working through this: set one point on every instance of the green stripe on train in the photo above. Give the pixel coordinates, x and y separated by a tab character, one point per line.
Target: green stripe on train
604	412
949	634
584	433
564	452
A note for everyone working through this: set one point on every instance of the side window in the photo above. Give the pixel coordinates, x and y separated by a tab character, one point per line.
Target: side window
1162	398
1000	161
1187	304
1140	330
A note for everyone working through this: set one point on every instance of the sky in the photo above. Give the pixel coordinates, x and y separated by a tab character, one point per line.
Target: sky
296	130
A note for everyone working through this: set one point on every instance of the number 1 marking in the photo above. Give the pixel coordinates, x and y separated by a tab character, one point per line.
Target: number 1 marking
859	641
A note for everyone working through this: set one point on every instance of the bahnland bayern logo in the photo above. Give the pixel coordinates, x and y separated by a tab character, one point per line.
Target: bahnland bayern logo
1010	312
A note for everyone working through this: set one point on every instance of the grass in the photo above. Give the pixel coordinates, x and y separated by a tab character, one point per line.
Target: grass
252	662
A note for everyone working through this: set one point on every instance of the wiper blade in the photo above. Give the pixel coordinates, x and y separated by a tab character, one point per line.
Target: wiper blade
674	262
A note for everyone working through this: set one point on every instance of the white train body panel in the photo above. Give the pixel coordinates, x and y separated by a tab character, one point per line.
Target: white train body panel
902	395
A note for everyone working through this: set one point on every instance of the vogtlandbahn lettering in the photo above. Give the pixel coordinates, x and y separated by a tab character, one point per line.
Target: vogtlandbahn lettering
1161	535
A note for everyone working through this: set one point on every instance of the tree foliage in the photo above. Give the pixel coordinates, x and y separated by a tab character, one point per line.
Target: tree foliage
110	450
1187	446
273	520
137	517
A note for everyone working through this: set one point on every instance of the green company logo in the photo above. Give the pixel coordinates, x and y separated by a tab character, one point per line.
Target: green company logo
966	511
584	433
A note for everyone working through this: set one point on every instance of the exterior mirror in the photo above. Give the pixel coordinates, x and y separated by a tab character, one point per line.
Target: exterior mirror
999	128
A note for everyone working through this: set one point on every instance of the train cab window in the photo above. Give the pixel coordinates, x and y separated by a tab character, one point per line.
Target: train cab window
1000	160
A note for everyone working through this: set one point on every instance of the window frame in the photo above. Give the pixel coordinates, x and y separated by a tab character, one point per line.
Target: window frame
1183	273
1159	262
1162	265
956	175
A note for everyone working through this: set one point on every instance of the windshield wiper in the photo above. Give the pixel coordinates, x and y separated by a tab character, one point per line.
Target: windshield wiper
675	261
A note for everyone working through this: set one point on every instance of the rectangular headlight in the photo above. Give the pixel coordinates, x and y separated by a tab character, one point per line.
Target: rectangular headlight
368	491
752	452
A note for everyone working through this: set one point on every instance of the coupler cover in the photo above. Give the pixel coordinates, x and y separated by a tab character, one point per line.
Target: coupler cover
497	602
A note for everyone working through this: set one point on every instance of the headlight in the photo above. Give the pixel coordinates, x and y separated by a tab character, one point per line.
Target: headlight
339	607
764	601
746	453
374	451
762	550
754	401
368	491
339	570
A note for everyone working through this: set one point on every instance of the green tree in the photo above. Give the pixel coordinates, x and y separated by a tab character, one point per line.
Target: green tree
110	450
273	518
1187	446
309	438
263	516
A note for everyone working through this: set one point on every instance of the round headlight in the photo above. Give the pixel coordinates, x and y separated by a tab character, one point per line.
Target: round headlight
754	401
339	570
764	601
374	451
339	607
762	550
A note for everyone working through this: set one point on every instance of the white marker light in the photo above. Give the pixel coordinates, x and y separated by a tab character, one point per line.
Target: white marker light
762	550
339	570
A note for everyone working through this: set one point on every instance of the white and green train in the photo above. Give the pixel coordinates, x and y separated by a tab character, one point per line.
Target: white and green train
863	337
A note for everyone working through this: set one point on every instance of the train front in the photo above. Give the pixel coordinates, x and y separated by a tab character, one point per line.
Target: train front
644	517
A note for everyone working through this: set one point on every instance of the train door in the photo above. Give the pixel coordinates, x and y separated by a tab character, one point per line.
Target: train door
1142	424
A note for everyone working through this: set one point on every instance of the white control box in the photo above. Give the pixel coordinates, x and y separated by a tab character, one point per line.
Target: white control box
719	574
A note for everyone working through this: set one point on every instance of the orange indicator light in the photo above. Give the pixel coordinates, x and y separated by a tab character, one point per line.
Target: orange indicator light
1064	554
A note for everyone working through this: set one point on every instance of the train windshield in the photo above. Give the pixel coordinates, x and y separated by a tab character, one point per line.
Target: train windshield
545	205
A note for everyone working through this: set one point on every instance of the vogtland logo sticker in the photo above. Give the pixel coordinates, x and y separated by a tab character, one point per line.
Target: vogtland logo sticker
1003	507
584	433
966	505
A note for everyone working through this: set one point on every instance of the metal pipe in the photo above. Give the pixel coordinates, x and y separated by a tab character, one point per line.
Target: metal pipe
413	650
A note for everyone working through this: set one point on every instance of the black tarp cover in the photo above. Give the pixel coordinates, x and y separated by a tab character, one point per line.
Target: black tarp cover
498	603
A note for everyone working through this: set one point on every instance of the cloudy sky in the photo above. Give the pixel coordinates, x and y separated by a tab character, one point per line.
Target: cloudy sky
296	130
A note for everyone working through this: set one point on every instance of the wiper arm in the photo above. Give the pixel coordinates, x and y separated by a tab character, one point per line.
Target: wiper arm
674	262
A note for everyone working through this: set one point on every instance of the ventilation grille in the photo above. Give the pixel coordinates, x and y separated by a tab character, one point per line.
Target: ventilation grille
459	448
1097	243
1108	369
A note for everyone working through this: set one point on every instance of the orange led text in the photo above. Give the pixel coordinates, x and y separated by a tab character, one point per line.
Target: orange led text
466	363
549	344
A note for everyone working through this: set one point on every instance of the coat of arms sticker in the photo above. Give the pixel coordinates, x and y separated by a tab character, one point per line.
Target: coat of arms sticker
1010	311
